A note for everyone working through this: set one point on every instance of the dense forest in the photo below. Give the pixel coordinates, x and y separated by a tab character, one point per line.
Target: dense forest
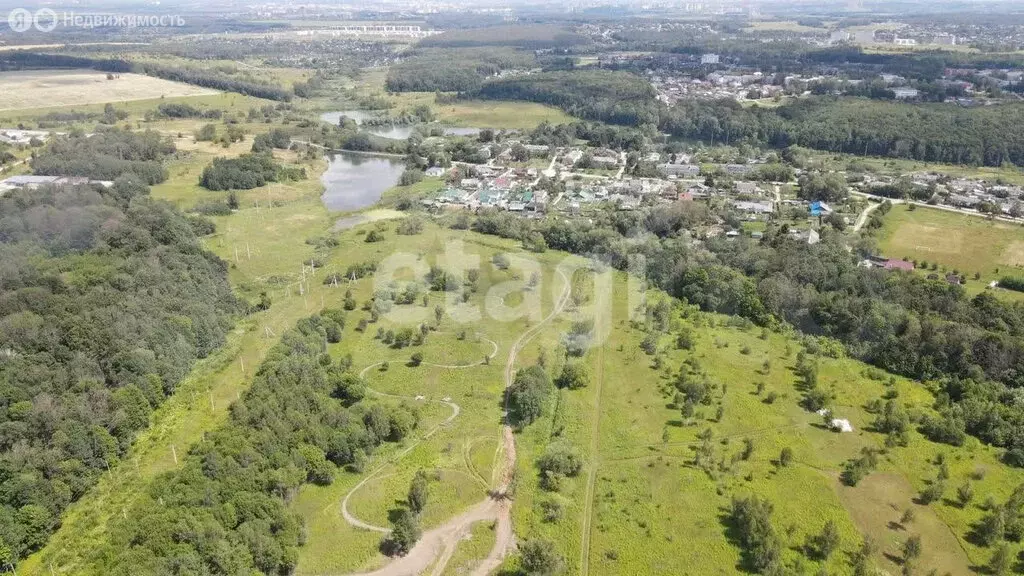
971	349
615	97
106	155
531	37
225	511
453	70
931	132
106	301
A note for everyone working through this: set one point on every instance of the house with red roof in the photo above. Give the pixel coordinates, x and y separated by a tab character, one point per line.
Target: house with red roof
892	264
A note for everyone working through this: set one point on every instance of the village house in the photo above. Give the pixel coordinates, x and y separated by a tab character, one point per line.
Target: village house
764	207
893	264
906	93
679	170
22	137
747	188
571	157
737	169
605	161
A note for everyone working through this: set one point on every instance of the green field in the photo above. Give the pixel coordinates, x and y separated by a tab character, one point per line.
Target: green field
957	242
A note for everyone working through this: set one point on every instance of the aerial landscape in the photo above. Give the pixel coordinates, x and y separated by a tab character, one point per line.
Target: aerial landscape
512	288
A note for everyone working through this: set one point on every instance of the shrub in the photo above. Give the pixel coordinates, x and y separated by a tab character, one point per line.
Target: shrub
541	558
786	456
574	376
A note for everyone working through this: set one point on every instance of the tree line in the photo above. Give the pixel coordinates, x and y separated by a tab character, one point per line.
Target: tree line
607	96
208	79
454	69
246	172
225	511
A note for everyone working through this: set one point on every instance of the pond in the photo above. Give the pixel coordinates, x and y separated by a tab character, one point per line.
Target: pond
395	132
359	116
354	181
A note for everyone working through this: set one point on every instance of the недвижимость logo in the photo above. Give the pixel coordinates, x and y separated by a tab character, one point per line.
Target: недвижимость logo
46	20
21	20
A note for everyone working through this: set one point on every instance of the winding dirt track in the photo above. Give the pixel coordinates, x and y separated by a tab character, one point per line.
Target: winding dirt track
437	546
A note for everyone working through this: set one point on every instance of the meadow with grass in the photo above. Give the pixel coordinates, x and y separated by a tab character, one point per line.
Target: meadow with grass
960	243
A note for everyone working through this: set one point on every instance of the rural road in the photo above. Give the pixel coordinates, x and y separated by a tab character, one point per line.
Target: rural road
595	440
504	535
439	544
863	217
963	211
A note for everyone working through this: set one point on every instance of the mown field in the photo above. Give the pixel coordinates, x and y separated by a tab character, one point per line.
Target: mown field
55	88
957	242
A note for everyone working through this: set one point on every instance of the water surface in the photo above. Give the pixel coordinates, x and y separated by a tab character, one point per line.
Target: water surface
354	181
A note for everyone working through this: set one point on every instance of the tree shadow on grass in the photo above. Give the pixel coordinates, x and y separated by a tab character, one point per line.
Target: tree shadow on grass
732	535
897	560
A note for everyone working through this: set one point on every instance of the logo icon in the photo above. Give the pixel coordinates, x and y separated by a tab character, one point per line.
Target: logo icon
46	20
20	20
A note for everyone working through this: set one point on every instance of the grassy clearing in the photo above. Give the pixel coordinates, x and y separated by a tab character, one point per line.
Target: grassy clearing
654	510
472	550
461	453
498	115
26	89
877	504
896	167
425	188
960	242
